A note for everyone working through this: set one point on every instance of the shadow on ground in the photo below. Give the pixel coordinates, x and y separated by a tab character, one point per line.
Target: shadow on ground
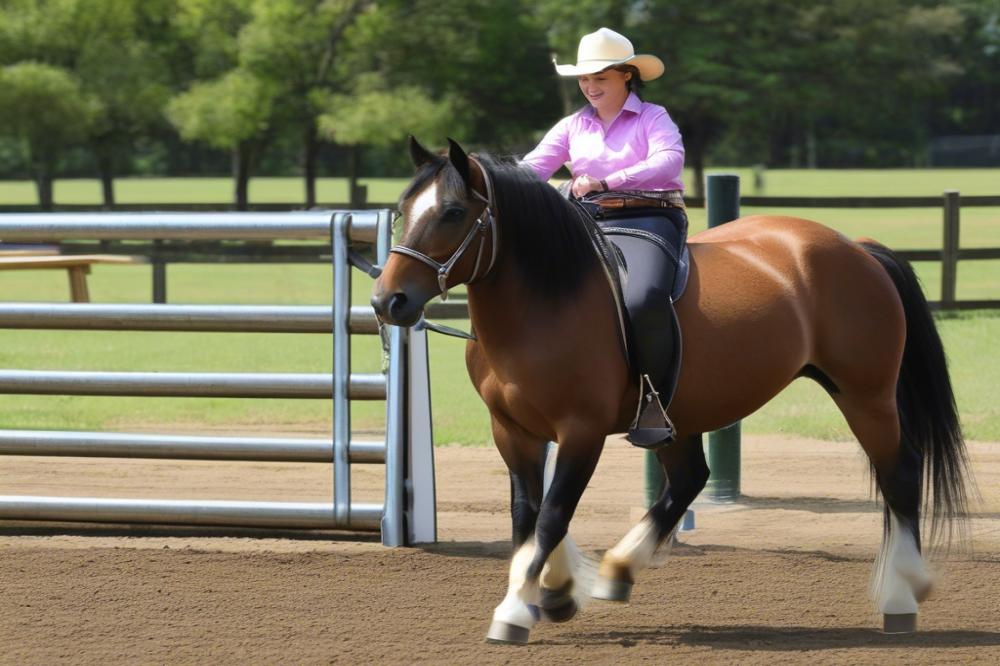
781	638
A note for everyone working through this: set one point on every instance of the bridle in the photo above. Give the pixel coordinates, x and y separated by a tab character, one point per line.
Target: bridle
485	222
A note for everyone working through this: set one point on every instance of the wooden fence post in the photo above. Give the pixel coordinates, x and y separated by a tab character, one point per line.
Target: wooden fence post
949	253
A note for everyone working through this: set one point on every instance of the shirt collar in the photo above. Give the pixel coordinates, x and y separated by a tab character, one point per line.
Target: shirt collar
632	103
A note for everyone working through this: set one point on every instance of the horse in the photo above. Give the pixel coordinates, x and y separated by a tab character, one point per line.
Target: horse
768	299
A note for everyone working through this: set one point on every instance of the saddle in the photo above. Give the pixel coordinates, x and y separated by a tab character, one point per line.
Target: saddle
621	226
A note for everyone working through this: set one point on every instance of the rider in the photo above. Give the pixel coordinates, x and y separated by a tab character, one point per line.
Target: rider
620	143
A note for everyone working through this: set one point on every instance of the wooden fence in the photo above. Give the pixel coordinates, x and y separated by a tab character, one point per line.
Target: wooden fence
162	253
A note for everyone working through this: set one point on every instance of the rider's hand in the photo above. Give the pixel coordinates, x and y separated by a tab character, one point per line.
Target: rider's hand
584	184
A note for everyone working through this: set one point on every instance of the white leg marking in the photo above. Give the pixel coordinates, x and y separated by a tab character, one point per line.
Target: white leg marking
568	563
514	607
637	547
900	574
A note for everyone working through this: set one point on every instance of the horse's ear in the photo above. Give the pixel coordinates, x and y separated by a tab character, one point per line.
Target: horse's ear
459	159
418	153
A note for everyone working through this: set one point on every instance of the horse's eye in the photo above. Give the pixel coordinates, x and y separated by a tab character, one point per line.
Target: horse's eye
453	214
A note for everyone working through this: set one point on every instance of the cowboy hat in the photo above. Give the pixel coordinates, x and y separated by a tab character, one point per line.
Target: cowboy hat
606	48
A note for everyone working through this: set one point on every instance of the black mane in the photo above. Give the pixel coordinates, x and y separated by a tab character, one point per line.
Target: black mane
545	237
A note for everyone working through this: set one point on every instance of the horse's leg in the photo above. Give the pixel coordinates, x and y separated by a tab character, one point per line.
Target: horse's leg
566	577
542	571
686	474
513	618
900	579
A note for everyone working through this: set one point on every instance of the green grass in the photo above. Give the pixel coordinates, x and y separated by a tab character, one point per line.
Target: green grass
777	182
459	416
971	345
198	190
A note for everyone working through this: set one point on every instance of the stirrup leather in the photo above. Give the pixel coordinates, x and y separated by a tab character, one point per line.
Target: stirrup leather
651	427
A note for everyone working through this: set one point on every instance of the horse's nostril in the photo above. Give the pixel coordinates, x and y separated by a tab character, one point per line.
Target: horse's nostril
397	303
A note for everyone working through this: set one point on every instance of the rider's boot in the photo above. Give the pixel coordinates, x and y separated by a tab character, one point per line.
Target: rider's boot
655	351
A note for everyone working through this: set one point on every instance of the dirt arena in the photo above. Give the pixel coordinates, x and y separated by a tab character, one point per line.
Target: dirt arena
780	577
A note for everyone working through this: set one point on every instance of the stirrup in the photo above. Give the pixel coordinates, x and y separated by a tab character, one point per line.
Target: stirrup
652	428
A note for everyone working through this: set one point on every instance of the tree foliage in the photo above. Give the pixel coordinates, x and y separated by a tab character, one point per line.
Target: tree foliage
44	109
785	82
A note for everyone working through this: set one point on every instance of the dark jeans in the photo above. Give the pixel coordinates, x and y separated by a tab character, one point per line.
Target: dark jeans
651	271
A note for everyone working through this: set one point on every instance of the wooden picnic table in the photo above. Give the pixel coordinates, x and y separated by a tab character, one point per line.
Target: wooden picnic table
77	266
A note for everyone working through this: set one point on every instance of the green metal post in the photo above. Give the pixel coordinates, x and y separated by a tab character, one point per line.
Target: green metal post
723	450
655	480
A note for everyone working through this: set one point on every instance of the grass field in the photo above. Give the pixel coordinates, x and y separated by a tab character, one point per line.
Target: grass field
777	182
971	340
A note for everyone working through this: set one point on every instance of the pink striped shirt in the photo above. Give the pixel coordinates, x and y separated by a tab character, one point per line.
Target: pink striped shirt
641	149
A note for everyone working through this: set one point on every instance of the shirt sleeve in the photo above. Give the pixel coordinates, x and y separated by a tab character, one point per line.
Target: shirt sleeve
664	157
552	152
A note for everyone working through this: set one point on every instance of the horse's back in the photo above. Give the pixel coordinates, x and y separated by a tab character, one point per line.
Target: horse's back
767	297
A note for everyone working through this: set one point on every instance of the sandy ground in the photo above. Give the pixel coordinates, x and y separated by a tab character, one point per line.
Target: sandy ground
780	577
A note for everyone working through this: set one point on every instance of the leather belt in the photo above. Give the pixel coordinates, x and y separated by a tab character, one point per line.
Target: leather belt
617	199
633	202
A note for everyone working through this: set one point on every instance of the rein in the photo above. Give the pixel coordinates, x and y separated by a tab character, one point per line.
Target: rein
485	222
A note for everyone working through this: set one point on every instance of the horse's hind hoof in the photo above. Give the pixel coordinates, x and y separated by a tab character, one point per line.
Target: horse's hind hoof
899	623
507	634
611	590
559	610
558	605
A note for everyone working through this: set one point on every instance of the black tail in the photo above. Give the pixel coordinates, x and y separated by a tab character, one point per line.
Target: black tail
927	413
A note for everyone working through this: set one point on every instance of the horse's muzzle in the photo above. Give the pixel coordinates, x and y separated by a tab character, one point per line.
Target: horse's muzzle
397	308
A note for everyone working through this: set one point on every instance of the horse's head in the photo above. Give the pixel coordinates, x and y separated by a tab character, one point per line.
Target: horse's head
448	234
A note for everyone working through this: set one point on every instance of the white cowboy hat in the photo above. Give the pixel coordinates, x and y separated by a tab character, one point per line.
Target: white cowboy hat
606	48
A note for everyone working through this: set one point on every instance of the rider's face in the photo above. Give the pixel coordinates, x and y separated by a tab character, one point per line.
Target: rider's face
606	90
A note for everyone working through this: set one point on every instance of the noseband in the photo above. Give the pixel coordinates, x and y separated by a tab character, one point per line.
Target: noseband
485	222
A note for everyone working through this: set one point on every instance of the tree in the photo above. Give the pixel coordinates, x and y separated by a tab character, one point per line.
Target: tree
233	113
371	117
226	107
488	58
294	46
44	108
972	104
98	41
872	73
803	75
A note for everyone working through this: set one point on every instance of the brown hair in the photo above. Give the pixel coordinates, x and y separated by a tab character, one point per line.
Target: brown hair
635	83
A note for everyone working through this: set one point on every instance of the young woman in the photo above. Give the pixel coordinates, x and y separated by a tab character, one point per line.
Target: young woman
621	144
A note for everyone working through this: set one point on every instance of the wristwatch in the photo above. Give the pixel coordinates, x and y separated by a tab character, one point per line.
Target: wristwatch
604	185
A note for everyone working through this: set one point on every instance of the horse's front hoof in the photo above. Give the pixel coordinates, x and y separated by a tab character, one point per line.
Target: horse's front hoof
507	634
611	590
899	623
558	605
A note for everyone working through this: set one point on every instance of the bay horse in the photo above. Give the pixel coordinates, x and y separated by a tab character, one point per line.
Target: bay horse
768	299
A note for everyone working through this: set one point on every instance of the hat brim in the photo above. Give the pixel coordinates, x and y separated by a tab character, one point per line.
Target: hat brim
650	67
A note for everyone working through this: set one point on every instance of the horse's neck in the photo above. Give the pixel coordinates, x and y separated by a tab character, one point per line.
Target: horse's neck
499	305
504	310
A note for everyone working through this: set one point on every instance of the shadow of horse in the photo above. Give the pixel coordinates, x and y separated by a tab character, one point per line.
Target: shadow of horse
780	639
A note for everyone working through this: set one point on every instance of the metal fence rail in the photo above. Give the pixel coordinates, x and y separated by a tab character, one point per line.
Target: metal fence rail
182	447
408	513
298	225
296	515
223	318
188	385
